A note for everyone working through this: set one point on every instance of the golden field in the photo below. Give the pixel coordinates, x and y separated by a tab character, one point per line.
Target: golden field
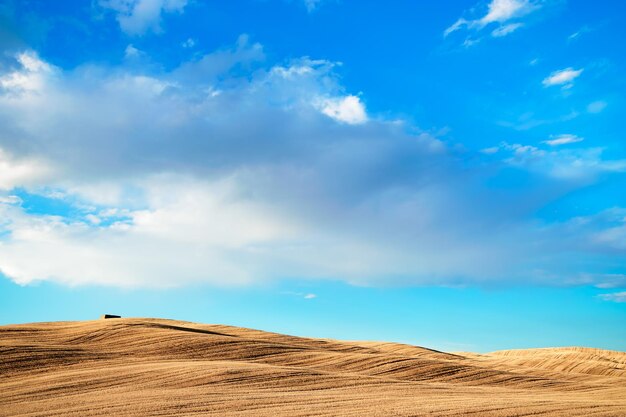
156	367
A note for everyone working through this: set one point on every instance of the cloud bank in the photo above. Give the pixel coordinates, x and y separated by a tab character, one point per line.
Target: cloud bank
228	170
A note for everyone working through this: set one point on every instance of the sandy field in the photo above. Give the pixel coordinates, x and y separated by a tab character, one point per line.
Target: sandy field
155	367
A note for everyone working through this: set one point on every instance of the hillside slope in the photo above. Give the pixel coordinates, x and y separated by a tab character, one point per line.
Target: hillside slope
141	367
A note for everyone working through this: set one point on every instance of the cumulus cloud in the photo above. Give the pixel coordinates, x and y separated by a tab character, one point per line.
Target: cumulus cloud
564	77
136	17
565	139
502	13
229	170
31	75
348	109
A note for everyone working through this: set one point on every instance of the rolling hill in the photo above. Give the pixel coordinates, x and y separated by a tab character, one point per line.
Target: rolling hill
140	367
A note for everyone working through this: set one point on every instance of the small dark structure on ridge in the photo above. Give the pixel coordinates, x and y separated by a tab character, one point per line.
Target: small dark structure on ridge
110	316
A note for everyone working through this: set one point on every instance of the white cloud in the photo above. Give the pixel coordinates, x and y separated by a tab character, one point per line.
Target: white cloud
310	296
564	77
275	177
617	297
15	172
565	139
10	199
136	17
582	165
498	12
455	26
348	109
31	63
298	69
30	77
504	10
195	228
596	106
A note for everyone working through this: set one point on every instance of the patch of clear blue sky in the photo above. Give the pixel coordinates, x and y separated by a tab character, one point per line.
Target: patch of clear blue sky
441	318
42	205
396	56
65	207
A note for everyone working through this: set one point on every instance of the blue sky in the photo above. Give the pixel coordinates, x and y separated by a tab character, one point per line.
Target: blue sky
446	175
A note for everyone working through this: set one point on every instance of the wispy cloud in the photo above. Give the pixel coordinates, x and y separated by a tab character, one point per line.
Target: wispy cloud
528	120
564	77
596	106
617	297
582	165
306	296
576	35
500	12
506	29
136	17
608	281
564	139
